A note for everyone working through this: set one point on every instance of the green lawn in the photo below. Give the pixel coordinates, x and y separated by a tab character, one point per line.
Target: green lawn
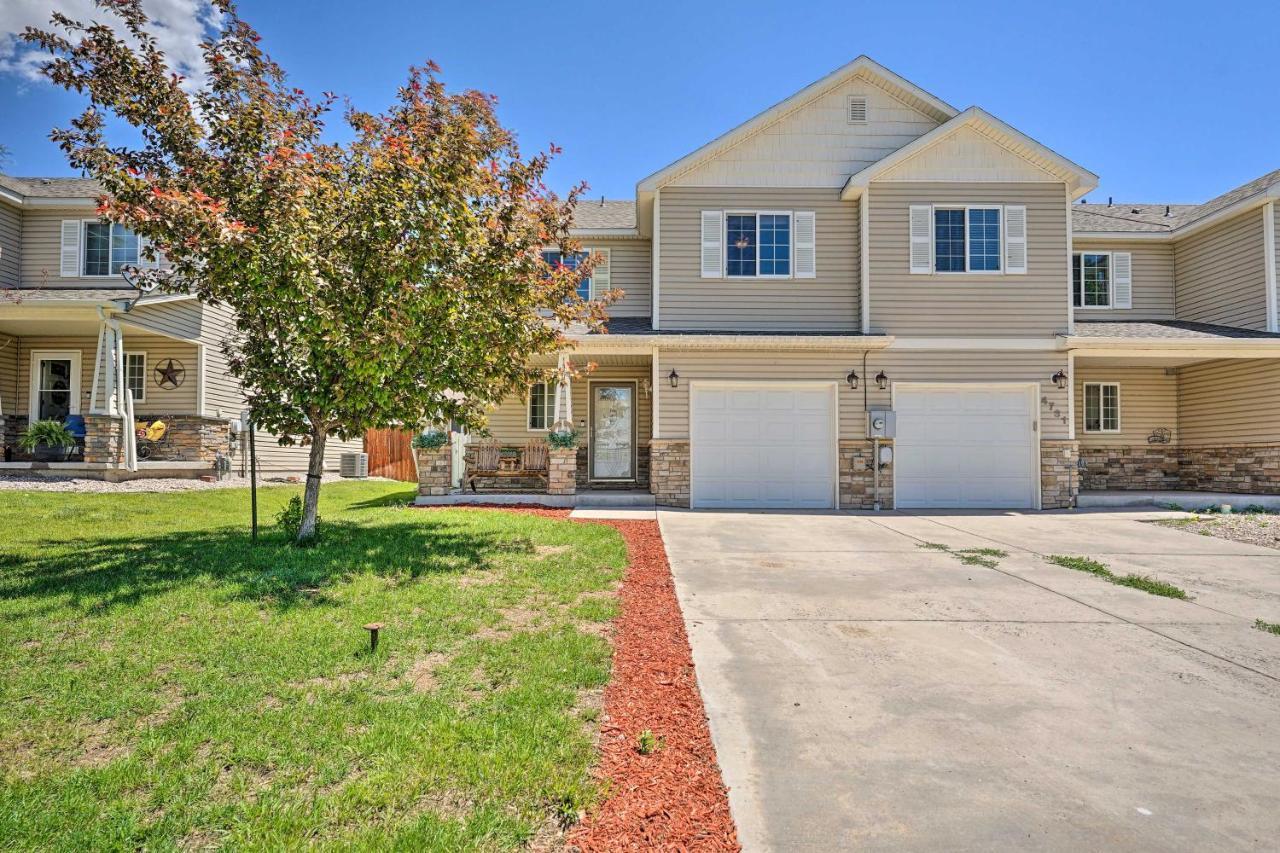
167	684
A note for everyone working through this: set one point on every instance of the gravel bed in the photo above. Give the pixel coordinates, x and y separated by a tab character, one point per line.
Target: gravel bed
28	482
1254	528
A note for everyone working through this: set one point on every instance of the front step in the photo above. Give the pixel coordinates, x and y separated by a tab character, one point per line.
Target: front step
598	499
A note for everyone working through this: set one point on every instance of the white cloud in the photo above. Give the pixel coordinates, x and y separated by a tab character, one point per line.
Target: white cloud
178	25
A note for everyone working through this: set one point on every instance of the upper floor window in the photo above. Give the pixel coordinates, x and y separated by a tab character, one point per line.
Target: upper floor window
968	238
1101	407
1091	280
757	244
554	258
108	248
541	407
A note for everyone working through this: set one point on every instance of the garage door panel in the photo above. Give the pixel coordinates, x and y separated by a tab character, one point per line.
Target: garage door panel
964	447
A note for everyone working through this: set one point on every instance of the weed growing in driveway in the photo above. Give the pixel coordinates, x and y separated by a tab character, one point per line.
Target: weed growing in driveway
1269	627
1142	582
970	556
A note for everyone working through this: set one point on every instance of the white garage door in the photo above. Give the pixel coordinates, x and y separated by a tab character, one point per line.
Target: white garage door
964	446
762	446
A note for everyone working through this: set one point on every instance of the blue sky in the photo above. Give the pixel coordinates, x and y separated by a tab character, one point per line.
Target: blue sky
1167	102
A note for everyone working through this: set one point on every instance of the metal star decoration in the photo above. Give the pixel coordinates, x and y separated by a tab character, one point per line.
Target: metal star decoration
170	373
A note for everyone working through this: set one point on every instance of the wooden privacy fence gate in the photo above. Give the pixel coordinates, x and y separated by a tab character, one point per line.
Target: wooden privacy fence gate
390	454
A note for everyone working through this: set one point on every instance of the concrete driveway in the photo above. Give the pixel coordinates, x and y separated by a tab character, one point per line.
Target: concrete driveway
865	692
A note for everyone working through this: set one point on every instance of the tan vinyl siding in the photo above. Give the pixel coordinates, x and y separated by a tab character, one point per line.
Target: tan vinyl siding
1229	402
1152	281
181	318
964	304
1148	400
508	422
1275	215
631	269
9	376
832	366
158	401
827	302
41	245
1221	275
10	245
276	460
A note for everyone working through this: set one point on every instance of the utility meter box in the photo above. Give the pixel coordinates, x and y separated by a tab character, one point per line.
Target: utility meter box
882	423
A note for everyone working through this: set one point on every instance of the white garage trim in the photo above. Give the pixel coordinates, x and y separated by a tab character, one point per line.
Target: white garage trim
831	386
1032	390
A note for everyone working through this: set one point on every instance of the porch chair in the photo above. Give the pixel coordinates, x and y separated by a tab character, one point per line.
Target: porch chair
536	459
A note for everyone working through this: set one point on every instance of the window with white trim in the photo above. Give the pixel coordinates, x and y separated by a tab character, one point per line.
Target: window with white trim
108	248
967	239
1101	407
758	244
542	403
135	374
554	258
1091	279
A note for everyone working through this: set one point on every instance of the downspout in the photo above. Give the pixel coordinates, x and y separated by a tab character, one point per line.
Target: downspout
1071	290
1269	252
657	256
864	250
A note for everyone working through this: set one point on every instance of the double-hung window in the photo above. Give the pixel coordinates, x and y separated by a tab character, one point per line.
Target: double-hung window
967	239
554	258
1091	280
1101	407
135	374
108	248
542	402
757	245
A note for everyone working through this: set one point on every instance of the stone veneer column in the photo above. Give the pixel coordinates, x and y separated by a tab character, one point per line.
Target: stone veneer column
669	471
1059	474
435	470
562	471
103	439
857	477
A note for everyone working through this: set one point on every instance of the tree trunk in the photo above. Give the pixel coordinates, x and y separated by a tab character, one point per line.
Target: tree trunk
311	495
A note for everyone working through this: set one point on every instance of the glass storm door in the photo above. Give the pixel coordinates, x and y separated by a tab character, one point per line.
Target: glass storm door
612	432
53	389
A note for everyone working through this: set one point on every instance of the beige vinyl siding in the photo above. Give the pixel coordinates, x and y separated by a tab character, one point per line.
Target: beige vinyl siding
631	271
832	366
964	304
509	422
827	302
1153	276
181	318
158	401
277	460
1229	402
1221	276
9	376
815	145
1148	400
10	245
1275	215
41	245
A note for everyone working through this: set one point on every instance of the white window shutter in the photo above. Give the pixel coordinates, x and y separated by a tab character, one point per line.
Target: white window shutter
143	263
601	275
1122	286
806	234
921	239
70	254
712	243
1015	239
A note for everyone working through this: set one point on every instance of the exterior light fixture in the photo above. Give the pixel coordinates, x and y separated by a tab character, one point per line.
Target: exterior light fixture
852	379
673	378
882	380
1060	379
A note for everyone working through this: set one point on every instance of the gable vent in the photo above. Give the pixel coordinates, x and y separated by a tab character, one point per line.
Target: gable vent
857	109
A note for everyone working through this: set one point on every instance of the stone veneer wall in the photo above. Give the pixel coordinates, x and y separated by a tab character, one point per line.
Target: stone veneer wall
562	471
669	471
1252	469
190	438
435	470
1059	474
104	439
857	477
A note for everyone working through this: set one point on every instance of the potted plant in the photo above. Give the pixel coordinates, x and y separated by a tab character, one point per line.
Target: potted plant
48	441
563	439
431	439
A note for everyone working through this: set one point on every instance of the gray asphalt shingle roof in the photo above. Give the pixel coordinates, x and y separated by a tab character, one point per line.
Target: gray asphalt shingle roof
1165	330
51	187
605	213
1152	218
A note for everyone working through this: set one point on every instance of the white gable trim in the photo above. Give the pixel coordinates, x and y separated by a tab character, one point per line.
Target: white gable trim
1078	179
897	86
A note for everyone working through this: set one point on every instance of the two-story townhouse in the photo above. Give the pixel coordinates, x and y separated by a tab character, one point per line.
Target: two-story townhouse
78	344
864	248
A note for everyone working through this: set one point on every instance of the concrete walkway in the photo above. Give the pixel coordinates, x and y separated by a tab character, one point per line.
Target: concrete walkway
868	693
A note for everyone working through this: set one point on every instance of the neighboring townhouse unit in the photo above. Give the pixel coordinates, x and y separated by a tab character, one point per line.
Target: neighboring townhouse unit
864	247
74	337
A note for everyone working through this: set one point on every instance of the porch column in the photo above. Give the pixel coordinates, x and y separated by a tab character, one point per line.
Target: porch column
564	394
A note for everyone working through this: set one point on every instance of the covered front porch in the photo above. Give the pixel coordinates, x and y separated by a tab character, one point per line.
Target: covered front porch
128	395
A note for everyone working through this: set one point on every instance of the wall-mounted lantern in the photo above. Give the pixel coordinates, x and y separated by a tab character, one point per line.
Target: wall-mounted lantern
673	378
852	379
1060	379
882	380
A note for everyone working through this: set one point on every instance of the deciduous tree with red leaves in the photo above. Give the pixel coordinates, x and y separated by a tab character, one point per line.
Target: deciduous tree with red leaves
391	279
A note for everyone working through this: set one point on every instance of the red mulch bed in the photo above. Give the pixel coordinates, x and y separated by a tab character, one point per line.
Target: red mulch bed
674	797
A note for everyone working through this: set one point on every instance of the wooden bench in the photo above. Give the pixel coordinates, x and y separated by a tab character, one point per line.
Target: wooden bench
485	459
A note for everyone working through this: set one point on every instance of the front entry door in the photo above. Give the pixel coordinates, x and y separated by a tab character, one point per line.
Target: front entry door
55	385
613	425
